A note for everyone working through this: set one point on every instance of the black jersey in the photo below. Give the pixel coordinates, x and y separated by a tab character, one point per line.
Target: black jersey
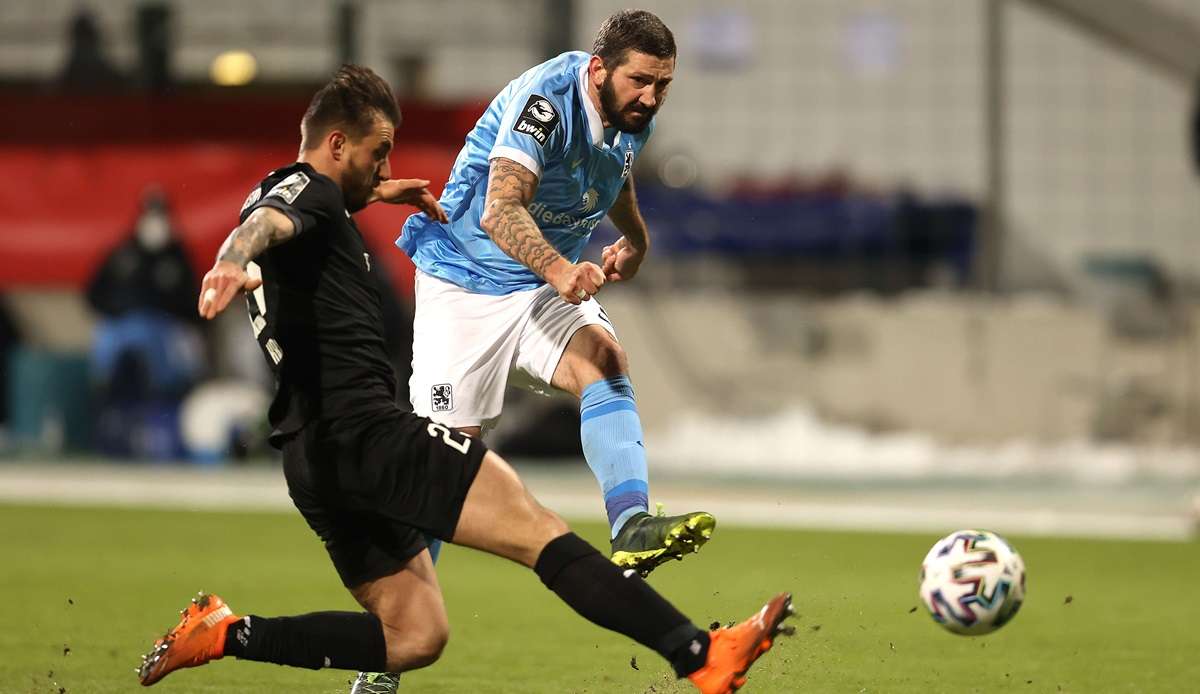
318	315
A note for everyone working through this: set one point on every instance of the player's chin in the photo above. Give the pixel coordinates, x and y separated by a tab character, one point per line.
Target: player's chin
634	122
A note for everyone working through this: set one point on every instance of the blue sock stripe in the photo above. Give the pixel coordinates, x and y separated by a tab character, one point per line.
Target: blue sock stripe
626	487
607	408
617	505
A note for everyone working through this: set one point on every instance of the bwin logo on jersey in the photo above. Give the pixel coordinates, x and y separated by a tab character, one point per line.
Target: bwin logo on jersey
589	200
542	110
538	119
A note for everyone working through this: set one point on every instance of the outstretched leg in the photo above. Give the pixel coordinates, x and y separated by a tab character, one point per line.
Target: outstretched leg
594	368
482	504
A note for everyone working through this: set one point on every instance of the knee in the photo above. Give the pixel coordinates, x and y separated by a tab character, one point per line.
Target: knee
428	647
417	648
610	358
603	358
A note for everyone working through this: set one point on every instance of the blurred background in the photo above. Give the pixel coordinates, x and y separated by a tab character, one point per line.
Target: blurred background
916	263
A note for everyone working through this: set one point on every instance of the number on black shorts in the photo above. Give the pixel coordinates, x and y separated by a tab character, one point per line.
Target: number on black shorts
436	430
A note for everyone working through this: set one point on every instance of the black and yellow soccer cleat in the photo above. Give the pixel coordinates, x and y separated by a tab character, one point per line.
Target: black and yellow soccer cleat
375	683
647	541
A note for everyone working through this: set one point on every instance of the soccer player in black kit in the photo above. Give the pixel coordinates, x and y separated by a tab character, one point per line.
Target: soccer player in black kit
372	479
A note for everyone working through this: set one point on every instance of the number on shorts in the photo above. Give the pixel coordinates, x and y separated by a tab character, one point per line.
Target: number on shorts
463	446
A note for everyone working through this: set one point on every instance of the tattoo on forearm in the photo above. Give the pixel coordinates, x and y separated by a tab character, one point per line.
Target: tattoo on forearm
252	237
506	219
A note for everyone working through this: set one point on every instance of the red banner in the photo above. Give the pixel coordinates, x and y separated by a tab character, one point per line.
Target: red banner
63	208
75	171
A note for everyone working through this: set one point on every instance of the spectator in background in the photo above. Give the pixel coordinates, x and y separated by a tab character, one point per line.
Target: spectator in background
87	67
147	351
148	271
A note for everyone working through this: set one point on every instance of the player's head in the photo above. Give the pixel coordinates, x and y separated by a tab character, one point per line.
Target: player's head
351	122
633	61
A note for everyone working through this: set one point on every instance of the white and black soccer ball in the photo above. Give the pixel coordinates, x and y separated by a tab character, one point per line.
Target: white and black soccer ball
972	582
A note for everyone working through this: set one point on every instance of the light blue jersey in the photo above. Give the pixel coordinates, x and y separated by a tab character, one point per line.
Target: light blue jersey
544	121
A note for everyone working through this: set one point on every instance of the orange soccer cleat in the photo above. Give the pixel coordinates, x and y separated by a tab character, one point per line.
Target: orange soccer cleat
198	638
732	650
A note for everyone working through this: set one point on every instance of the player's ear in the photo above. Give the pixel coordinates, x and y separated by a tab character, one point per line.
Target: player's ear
337	143
597	71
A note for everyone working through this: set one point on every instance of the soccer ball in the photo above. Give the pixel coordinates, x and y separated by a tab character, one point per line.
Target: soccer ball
972	582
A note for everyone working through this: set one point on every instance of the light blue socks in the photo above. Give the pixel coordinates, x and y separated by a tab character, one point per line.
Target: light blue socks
611	432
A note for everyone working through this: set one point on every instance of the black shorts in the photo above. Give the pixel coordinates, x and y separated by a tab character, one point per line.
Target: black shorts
375	492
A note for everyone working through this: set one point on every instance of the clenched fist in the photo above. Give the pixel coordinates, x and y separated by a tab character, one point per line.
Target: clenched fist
575	282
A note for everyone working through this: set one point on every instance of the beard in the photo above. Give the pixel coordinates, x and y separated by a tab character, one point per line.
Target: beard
356	197
624	119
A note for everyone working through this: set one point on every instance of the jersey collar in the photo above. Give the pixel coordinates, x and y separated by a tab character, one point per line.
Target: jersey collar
595	123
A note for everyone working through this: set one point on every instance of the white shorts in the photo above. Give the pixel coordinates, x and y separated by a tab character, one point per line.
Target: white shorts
466	345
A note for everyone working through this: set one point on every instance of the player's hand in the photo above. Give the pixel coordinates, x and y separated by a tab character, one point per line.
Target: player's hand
221	284
621	260
409	191
575	282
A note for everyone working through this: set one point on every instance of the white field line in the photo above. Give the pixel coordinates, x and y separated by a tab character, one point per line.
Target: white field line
577	497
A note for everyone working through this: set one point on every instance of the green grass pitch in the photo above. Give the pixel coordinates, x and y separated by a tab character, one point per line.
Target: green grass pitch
85	591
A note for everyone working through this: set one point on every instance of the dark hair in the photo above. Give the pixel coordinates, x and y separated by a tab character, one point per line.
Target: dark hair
638	30
352	99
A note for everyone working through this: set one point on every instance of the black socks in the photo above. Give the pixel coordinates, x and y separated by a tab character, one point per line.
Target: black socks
344	640
586	580
621	601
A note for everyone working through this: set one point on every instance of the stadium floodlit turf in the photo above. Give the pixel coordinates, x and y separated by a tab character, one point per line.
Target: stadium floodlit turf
85	592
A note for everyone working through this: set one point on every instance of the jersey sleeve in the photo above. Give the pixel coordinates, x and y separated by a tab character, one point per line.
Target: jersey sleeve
532	130
305	200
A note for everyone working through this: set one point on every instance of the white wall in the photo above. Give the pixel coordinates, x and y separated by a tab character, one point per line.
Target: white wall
1098	156
889	89
473	48
1097	148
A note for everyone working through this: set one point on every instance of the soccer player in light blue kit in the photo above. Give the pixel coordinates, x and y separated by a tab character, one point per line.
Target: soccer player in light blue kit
500	290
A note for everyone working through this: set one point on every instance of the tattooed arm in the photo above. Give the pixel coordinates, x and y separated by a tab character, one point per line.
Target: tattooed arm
622	259
507	221
265	227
